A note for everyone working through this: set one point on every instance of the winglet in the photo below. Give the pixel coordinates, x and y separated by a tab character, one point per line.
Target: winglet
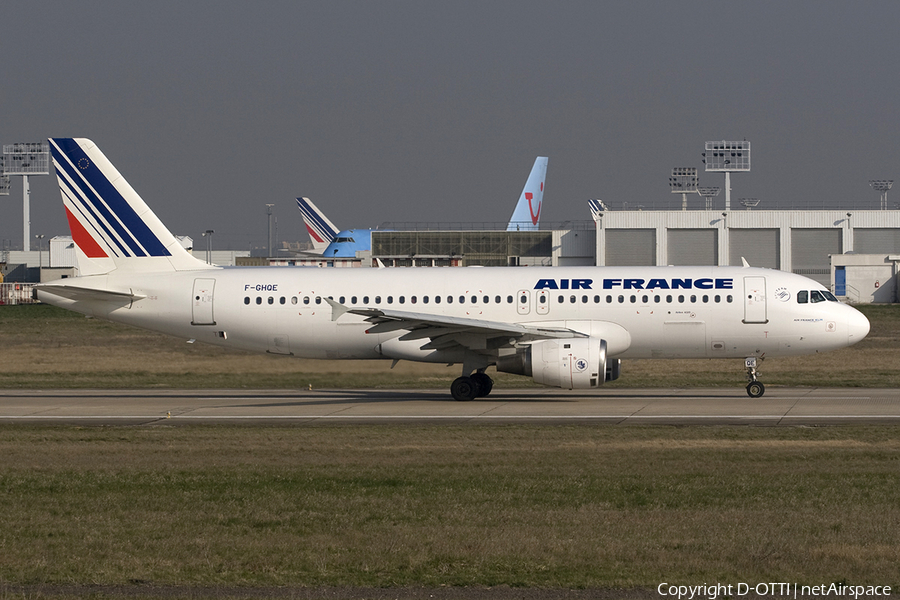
744	261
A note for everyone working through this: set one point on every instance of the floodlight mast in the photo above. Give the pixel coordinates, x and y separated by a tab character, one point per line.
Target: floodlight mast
708	194
727	157
683	181
4	178
882	185
27	159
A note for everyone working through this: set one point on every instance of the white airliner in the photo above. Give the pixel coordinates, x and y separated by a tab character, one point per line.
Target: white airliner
565	327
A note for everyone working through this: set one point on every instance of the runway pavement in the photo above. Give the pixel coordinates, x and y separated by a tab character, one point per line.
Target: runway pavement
721	406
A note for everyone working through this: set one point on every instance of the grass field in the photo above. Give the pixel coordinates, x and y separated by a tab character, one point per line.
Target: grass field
46	347
545	508
542	507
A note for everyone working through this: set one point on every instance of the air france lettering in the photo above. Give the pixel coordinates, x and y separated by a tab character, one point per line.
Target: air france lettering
675	283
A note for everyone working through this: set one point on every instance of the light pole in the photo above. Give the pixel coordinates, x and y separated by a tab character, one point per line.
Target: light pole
882	185
683	181
269	215
40	237
208	235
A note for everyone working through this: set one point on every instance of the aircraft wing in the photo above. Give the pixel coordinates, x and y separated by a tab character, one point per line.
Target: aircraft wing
444	331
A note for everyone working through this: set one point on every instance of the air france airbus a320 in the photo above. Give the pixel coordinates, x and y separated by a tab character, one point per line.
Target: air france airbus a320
568	327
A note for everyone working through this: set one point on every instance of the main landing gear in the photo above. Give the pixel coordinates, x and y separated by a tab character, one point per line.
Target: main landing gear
469	387
755	389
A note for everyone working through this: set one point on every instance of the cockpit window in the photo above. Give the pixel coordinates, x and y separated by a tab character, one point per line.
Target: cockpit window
802	297
344	240
816	296
829	296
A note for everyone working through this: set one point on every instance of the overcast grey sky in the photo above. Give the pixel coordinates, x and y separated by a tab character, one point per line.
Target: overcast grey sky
427	111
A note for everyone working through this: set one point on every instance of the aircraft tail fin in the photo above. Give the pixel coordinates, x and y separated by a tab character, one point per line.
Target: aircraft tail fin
111	225
321	230
527	214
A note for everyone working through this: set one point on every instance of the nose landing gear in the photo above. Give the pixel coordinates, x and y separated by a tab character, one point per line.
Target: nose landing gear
755	389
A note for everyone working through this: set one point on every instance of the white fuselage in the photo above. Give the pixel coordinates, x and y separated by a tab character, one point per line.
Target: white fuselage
643	312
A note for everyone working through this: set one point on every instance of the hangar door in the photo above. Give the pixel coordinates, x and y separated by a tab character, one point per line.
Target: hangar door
810	249
759	246
630	247
693	247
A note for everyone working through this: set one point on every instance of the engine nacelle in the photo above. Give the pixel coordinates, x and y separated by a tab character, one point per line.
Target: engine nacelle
572	363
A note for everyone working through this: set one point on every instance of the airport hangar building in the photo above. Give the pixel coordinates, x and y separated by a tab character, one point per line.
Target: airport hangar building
854	253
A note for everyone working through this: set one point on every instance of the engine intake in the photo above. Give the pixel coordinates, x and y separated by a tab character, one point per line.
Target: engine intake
571	363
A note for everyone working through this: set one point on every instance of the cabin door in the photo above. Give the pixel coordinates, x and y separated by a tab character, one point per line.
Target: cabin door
755	300
202	302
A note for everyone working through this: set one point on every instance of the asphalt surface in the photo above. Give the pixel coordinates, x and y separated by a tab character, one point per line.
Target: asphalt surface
720	406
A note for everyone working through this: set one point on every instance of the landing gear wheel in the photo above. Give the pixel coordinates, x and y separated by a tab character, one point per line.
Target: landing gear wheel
755	389
484	384
464	389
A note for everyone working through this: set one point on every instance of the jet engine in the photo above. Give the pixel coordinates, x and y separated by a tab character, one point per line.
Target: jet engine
571	363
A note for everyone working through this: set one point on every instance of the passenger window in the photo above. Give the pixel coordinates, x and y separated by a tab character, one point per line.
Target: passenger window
305	299
633	299
497	299
390	299
509	299
816	296
449	299
271	300
377	299
437	299
705	298
353	300
681	298
318	299
281	300
523	299
542	298
572	299
462	299
246	299
474	299
621	299
802	297
561	299
486	300
645	299
365	299
425	299
729	298
342	300
693	298
258	300
656	299
608	299
717	298
402	299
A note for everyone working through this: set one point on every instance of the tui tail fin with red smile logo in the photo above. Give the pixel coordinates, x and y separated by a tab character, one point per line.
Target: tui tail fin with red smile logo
527	214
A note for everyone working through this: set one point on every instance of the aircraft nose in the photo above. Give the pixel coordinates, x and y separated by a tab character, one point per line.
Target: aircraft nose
857	326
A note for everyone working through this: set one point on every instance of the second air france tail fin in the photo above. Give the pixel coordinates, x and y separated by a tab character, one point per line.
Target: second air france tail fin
527	214
321	230
111	225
